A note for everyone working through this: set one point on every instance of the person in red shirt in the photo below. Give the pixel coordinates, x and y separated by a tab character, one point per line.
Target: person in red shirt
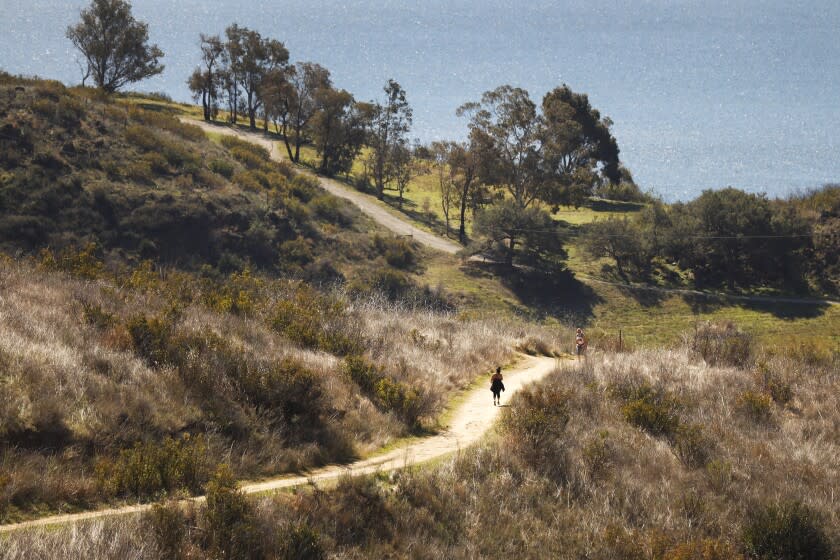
580	343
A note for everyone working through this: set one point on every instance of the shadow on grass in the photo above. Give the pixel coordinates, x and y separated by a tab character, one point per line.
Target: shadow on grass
644	296
558	295
779	309
601	205
429	219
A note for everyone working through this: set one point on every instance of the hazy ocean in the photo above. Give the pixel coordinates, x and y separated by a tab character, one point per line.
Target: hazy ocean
703	93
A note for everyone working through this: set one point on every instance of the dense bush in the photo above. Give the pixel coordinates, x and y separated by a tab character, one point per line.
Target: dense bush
649	408
722	344
398	252
316	321
785	531
148	469
229	529
756	406
222	167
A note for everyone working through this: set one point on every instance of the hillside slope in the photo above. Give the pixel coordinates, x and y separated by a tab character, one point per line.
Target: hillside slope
173	303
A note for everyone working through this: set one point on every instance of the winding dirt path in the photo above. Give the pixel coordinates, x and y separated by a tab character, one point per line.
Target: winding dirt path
472	419
377	210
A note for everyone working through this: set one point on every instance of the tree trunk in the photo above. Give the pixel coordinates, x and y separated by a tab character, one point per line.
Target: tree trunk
509	257
462	228
286	142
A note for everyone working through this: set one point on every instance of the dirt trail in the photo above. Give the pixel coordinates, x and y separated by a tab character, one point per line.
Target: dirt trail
474	416
378	211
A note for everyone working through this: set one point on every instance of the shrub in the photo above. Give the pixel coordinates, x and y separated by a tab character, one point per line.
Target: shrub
304	188
719	474
534	425
223	167
247	181
597	455
142	137
298	251
301	542
399	398
243	147
692	445
362	372
755	405
167	524
722	344
316	321
95	316
649	408
328	207
773	384
787	531
361	514
148	469
286	389
157	162
705	549
140	171
170	123
230	532
149	338
247	157
83	263
397	251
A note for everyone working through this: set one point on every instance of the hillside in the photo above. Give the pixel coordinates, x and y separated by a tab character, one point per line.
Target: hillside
180	312
715	450
170	303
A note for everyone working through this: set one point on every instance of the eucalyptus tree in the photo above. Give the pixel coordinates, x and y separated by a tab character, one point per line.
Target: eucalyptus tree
338	129
390	124
457	166
252	57
296	101
205	81
114	45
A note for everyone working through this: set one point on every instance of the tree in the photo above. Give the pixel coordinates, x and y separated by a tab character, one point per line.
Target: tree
725	236
504	131
617	238
577	147
458	182
205	81
114	45
446	184
294	101
250	59
338	129
390	124
527	236
553	156
402	169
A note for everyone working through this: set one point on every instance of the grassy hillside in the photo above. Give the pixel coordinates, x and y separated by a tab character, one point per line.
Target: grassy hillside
644	317
715	449
174	302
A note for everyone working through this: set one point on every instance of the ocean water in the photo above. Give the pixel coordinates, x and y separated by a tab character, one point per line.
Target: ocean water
703	93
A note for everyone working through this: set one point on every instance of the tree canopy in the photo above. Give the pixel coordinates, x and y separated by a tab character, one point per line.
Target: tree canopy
114	45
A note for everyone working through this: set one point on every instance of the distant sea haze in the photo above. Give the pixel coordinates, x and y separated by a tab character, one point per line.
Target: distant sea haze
703	93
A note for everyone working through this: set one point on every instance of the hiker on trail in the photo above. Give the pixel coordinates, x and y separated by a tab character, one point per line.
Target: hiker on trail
580	343
497	386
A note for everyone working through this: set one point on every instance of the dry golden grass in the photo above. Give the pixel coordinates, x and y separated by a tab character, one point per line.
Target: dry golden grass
79	387
572	475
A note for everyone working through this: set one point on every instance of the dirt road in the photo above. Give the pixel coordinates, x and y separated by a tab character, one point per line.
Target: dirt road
377	210
474	416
